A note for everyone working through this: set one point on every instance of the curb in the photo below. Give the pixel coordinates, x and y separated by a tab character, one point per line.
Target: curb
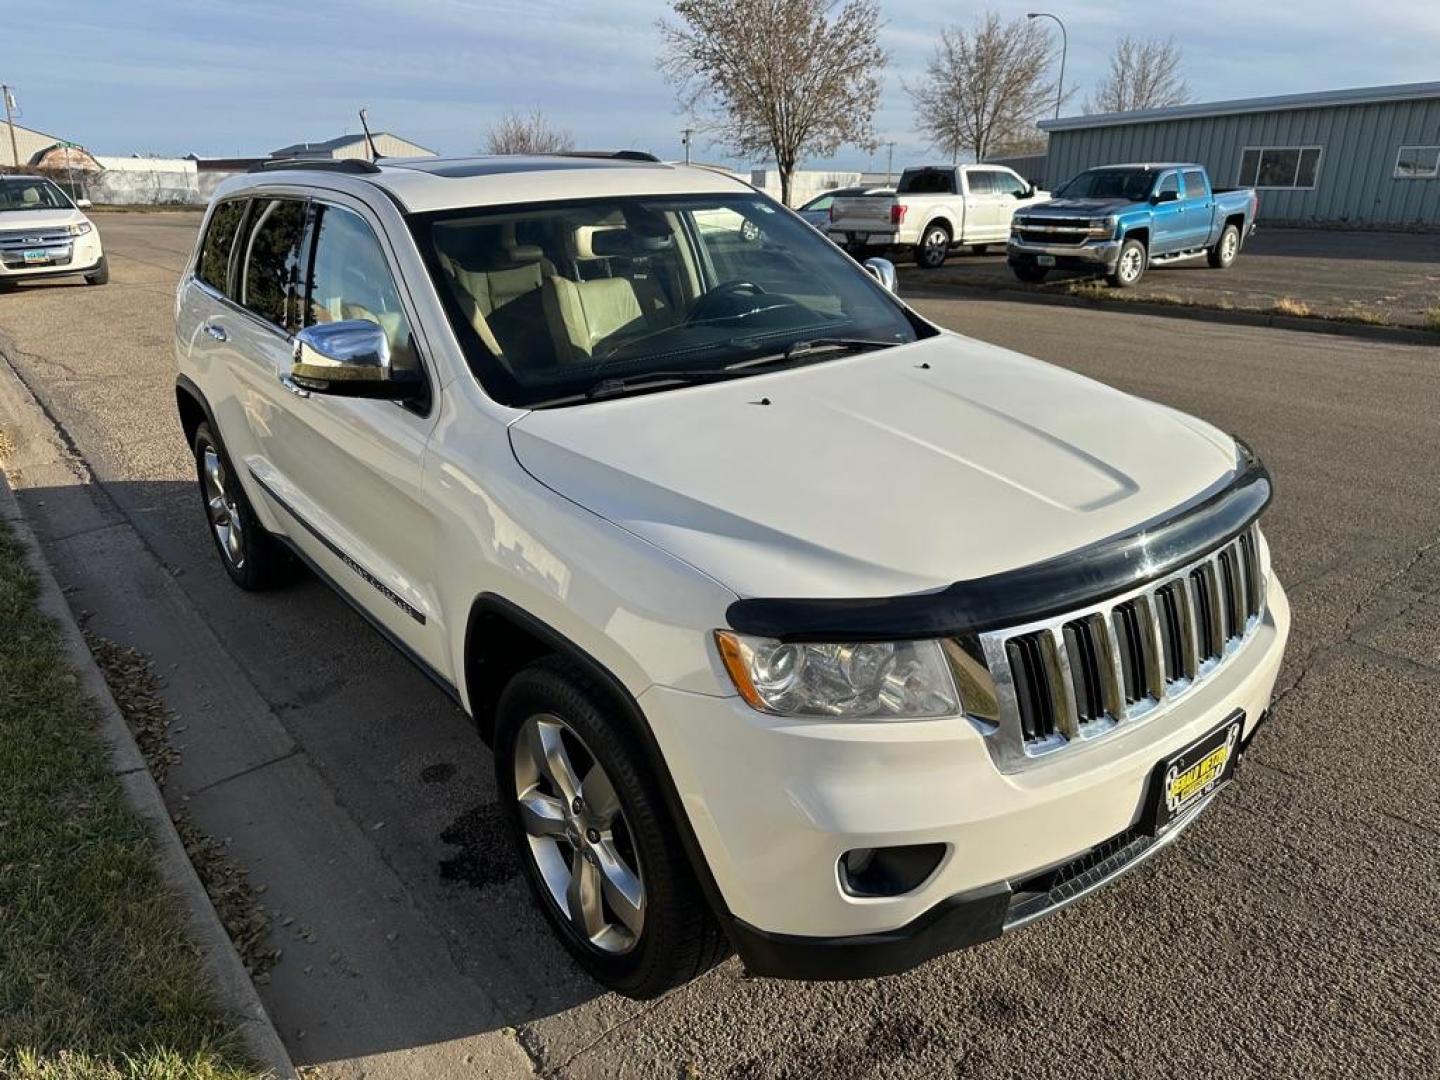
230	982
1402	335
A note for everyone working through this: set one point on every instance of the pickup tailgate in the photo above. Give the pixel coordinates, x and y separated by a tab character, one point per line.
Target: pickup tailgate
862	214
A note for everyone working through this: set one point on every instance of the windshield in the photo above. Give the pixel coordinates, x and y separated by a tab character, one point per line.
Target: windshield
31	193
550	298
1132	185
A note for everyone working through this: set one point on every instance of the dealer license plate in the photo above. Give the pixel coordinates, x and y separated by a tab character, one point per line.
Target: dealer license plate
1044	260
1183	780
36	255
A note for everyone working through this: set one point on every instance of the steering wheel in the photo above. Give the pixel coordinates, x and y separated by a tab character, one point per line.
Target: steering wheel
703	307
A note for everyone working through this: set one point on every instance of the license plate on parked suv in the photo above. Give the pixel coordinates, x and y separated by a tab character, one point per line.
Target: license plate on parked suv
1183	780
36	255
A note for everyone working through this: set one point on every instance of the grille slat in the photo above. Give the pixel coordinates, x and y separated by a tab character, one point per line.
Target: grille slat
1077	677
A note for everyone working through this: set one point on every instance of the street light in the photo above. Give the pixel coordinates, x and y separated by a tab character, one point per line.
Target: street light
1064	46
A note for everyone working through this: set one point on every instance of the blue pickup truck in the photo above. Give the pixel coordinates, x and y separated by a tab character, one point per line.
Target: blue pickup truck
1124	219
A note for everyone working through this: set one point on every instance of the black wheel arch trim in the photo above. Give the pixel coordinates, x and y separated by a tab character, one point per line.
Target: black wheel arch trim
493	603
1028	593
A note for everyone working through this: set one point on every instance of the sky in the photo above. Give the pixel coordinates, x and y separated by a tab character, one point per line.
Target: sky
244	77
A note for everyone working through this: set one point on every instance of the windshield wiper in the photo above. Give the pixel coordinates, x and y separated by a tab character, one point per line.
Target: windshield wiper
797	349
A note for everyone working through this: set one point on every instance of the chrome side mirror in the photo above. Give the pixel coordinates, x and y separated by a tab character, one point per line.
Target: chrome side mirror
83	204
350	358
883	271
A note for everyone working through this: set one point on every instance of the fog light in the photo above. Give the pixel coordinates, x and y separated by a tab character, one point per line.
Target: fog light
888	871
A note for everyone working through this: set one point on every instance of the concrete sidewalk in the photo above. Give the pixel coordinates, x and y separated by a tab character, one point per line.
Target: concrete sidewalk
1363	278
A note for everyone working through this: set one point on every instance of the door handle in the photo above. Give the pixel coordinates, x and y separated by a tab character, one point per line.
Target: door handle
216	332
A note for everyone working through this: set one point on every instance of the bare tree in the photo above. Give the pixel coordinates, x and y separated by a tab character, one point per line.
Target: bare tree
789	78
985	87
1144	74
518	133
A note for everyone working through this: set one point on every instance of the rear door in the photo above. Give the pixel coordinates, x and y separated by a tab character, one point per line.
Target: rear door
982	207
1199	208
346	472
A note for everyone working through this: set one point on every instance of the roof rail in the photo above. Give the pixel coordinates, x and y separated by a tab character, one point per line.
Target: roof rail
349	165
618	155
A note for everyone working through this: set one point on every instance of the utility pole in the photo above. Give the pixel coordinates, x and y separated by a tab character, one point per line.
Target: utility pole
9	95
1064	48
685	134
889	161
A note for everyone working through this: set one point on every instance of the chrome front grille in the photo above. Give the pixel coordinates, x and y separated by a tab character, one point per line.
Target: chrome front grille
20	239
1080	675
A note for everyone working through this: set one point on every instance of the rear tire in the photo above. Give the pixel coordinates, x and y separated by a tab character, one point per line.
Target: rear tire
933	247
1130	266
101	276
252	557
1222	255
1029	272
616	825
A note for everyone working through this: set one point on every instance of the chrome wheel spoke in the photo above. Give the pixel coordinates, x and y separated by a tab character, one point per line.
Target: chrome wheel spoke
541	814
583	897
602	805
547	751
622	889
219	514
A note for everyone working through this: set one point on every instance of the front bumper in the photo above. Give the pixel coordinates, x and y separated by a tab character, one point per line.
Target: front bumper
1089	255
775	803
80	255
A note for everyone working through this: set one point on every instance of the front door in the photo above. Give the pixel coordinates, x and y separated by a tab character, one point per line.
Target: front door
1167	232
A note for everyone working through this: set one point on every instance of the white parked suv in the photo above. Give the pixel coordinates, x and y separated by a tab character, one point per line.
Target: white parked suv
798	624
43	233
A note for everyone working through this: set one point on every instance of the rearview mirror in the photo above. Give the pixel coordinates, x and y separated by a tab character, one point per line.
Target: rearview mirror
883	271
350	358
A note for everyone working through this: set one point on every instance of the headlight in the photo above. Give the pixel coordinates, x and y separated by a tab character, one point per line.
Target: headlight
79	230
888	680
1102	227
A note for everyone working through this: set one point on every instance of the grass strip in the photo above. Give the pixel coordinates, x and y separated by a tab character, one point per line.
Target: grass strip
98	980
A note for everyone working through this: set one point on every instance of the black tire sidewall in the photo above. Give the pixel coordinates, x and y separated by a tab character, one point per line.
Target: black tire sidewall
1219	260
1120	282
550	686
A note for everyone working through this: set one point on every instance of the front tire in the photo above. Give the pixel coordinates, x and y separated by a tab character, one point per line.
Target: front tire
594	838
101	276
1130	266
253	558
934	246
1222	255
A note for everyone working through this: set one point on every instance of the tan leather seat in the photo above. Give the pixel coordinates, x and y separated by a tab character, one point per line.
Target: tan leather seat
486	281
588	312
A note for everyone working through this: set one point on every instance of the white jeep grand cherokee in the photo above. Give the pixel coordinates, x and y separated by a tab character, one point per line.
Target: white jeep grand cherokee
797	623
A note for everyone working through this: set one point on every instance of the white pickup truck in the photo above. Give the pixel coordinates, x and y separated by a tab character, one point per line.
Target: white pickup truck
934	208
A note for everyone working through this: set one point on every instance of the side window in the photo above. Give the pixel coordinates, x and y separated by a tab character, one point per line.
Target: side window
1195	184
980	181
214	265
1008	183
1169	182
351	280
270	280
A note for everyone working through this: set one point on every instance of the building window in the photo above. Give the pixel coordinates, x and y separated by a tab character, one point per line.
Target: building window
1417	163
1279	166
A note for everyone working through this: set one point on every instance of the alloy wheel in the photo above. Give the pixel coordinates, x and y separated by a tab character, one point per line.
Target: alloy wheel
576	832
936	242
1229	244
1131	263
223	509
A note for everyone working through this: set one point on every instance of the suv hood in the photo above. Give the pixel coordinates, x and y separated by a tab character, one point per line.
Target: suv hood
39	219
1090	207
877	474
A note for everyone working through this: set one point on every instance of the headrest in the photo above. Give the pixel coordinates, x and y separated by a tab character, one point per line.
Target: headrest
525	253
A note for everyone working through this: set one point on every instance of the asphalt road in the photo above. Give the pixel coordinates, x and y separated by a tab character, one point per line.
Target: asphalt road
1293	931
1381	277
